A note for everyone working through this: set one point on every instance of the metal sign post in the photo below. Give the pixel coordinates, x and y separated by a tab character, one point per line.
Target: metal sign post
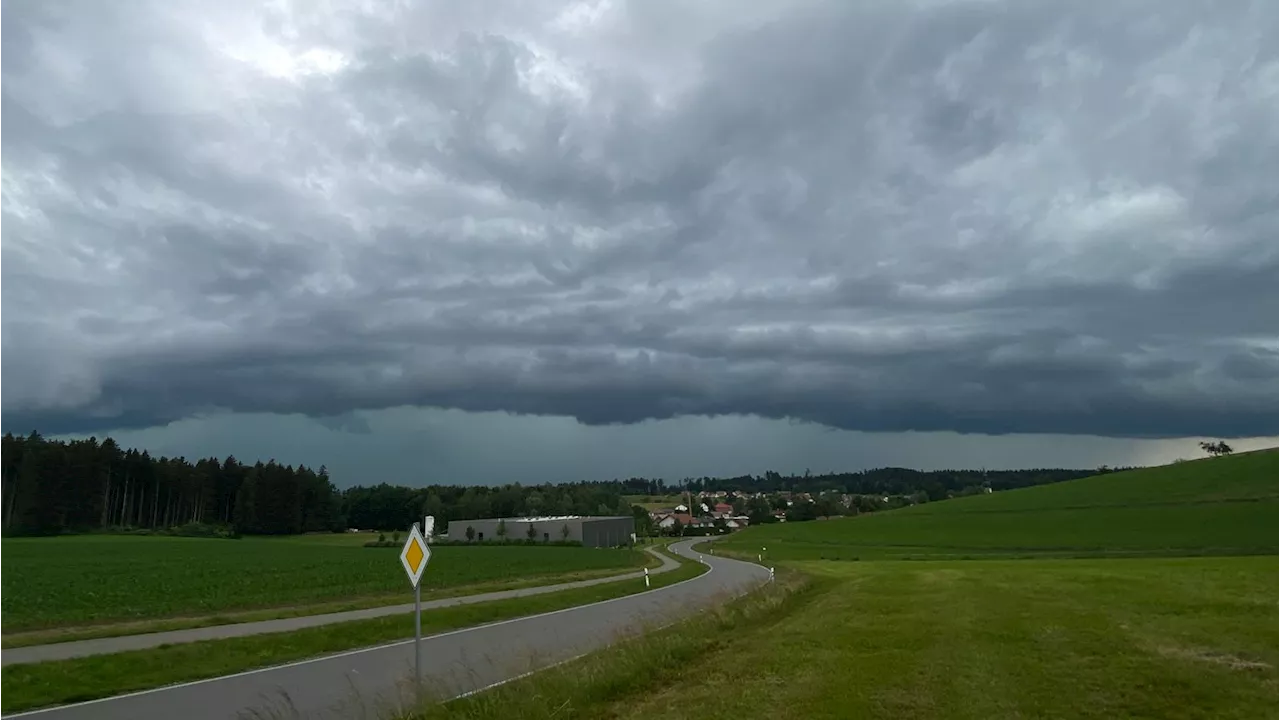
417	632
414	557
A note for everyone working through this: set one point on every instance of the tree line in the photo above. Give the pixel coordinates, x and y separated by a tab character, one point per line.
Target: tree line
936	484
396	506
53	486
86	485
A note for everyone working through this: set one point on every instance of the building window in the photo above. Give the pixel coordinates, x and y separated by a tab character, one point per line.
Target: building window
481	537
546	537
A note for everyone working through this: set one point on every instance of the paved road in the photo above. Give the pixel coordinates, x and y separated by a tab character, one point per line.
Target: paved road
362	683
103	646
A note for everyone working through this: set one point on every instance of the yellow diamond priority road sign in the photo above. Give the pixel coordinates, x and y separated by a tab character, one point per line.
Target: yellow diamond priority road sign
415	555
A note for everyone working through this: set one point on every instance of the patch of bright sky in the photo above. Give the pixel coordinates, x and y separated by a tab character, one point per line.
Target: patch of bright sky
550	77
16	191
276	59
955	289
581	17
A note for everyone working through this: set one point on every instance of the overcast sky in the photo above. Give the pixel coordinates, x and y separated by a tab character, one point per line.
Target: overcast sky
492	241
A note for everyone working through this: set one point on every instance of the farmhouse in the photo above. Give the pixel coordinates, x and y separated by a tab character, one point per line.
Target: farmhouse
591	531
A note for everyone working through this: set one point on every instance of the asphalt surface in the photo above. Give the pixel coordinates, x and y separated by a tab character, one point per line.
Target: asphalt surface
104	646
369	683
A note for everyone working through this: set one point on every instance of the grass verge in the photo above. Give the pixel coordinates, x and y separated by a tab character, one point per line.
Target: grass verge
34	685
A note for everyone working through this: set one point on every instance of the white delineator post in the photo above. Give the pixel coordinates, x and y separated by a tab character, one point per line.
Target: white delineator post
646	577
770	574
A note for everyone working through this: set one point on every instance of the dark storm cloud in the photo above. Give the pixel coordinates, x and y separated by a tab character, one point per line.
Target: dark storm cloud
971	216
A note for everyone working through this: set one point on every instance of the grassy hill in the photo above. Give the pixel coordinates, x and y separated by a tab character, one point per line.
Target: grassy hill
1218	506
1144	636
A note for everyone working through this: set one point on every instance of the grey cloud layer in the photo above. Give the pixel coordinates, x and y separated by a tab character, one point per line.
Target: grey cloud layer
973	216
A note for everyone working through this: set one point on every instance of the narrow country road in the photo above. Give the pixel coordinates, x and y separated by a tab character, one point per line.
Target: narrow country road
366	683
103	646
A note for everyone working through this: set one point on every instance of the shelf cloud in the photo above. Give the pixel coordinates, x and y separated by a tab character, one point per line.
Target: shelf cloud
973	216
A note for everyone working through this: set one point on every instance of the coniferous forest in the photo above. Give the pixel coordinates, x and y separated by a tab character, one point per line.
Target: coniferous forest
56	486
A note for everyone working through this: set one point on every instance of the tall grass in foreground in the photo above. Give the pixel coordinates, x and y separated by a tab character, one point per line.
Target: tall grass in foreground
635	664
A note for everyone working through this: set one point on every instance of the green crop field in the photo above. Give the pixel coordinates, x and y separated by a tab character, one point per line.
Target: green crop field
1224	506
88	579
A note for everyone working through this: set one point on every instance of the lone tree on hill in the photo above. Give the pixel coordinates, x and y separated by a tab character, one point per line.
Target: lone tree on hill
1217	449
